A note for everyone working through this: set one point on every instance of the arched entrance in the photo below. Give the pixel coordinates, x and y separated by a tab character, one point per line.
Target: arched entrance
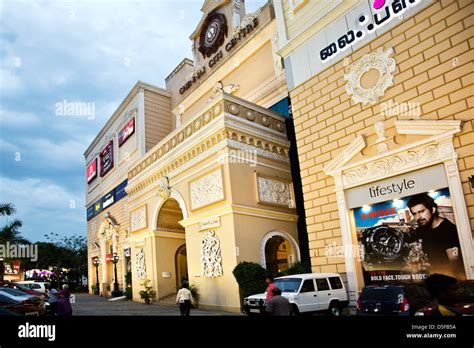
172	261
279	252
181	263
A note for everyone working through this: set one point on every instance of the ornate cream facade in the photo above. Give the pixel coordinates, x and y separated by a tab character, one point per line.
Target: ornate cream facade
214	187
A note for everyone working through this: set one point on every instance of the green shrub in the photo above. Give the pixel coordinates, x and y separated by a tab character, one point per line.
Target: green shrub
148	293
297	268
128	278
251	278
128	293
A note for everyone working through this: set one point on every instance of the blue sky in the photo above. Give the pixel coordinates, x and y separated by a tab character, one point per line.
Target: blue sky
79	51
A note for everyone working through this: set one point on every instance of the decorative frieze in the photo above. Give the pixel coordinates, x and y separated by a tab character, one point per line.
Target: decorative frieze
393	164
207	190
138	219
274	191
229	104
211	258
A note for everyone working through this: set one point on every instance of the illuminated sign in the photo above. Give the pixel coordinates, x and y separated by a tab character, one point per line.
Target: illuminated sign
127	131
382	17
107	158
108	199
92	170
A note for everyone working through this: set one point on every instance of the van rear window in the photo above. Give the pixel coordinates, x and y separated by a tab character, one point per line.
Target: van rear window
380	294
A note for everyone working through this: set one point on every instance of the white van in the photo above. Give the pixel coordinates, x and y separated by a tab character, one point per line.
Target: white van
309	292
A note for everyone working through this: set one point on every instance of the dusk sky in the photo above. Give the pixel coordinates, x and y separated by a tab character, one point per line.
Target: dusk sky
74	51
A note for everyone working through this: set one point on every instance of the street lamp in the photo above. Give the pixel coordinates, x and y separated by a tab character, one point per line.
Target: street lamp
96	264
116	292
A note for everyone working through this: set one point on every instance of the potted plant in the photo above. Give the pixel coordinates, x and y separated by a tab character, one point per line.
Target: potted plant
148	293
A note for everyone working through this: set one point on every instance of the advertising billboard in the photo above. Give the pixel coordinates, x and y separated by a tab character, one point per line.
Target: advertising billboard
409	238
107	158
92	171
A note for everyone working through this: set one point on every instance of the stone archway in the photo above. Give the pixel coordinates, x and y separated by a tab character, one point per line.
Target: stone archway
278	251
108	234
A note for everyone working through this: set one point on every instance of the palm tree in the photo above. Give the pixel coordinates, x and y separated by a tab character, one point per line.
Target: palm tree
10	232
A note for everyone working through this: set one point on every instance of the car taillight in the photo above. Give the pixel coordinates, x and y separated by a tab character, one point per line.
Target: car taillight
358	305
404	306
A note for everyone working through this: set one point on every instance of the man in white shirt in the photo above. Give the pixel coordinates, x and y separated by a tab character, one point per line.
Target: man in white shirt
183	299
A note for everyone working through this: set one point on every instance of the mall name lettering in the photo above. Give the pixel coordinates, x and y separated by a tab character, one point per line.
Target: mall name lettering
219	55
377	191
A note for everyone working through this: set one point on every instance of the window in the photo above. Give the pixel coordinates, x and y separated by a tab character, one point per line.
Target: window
308	286
335	283
322	284
288	284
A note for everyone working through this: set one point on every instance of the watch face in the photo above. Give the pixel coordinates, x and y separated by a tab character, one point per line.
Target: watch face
387	242
213	34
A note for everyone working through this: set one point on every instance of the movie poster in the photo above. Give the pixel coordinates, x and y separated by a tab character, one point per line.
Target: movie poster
407	239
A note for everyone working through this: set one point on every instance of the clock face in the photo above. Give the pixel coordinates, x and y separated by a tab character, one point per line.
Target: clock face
212	33
213	36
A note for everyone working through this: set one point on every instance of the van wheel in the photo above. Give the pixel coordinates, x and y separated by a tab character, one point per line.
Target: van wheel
335	309
294	310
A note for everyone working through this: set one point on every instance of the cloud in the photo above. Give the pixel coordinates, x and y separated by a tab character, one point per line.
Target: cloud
15	119
44	206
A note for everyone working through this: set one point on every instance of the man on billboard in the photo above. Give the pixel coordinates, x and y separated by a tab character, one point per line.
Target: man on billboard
439	235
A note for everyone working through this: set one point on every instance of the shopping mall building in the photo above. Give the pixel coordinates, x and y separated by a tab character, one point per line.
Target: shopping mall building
190	180
382	101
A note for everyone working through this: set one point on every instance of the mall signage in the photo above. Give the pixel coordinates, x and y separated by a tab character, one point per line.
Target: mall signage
108	199
92	171
107	158
127	131
367	24
213	31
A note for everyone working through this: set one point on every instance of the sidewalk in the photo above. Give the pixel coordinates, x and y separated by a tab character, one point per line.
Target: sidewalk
95	305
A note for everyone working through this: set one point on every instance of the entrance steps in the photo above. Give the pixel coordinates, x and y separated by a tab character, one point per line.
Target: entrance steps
170	299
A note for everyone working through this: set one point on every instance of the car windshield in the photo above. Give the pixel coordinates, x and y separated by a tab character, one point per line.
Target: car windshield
13	292
288	284
22	286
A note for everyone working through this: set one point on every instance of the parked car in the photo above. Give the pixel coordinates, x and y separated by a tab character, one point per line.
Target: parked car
392	300
21	303
24	288
309	292
36	285
461	299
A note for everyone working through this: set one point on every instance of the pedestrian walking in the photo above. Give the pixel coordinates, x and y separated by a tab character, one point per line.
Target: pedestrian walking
64	307
53	295
184	299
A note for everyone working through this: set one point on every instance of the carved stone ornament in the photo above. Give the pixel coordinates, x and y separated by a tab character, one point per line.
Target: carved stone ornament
394	164
378	60
140	264
164	190
138	219
108	228
211	259
207	190
274	192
